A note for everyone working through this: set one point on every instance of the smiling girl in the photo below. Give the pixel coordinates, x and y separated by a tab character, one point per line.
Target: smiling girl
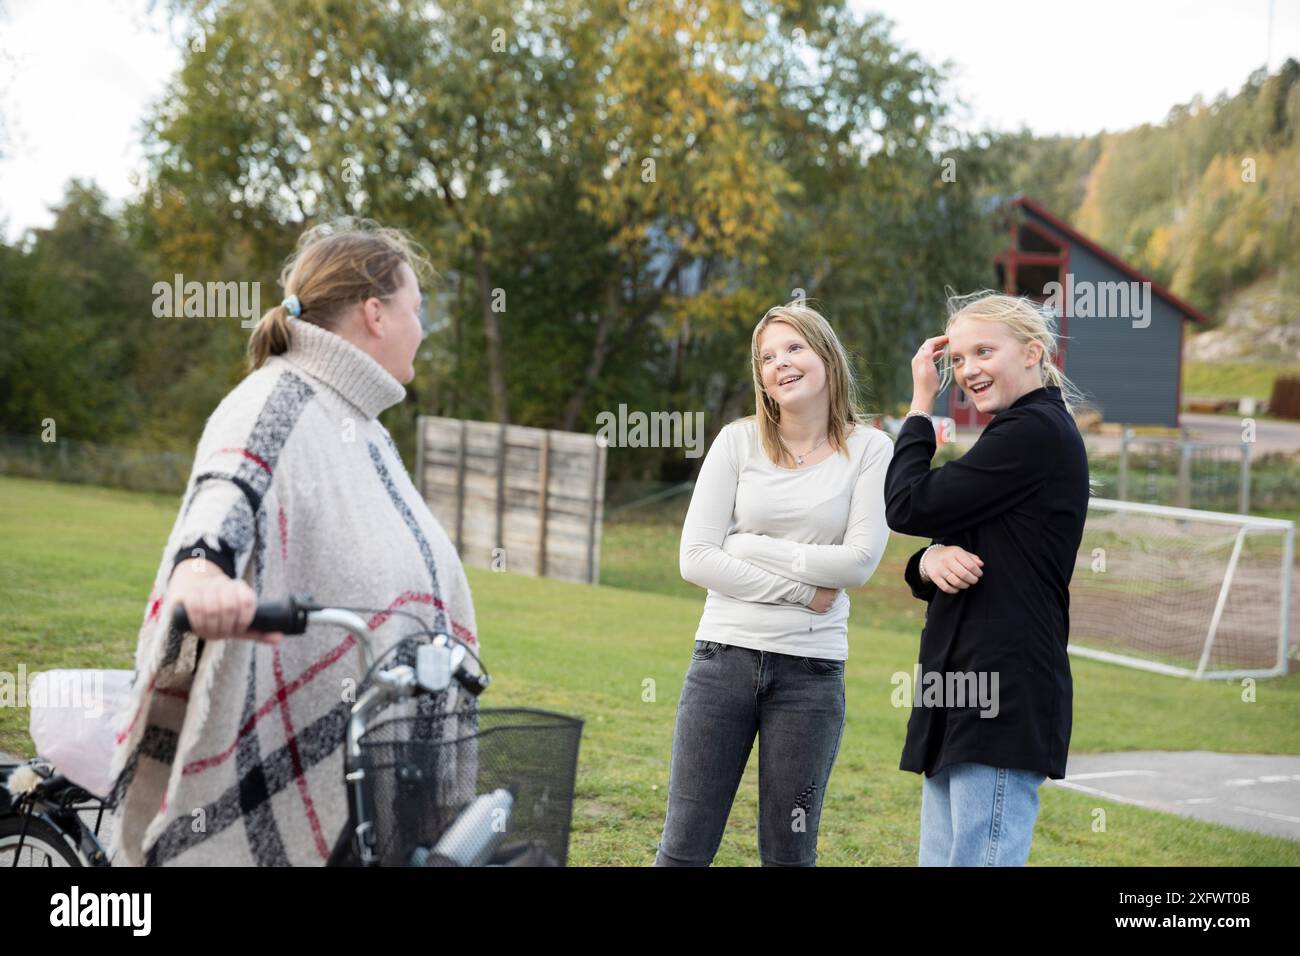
787	512
1005	521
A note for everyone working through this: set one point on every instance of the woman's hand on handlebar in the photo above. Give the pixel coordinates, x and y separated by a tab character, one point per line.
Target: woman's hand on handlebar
218	607
823	599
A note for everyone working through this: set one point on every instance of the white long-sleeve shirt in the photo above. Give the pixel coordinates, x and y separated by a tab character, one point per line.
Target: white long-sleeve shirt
762	538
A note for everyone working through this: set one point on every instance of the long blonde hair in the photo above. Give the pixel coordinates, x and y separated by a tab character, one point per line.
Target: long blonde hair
336	265
1027	322
844	409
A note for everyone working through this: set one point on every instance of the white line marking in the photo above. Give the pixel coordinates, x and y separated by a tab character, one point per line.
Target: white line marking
1164	805
1271	816
1113	773
1269	778
1109	796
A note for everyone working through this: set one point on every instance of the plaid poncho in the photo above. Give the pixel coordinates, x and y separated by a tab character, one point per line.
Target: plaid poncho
231	751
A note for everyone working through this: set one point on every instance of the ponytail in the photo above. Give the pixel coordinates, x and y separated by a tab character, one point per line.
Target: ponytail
1052	375
1074	400
270	337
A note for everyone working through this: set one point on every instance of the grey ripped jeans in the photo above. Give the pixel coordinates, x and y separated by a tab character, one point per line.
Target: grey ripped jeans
795	705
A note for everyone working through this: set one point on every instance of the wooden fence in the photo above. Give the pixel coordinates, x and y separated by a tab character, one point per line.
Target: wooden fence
1285	402
514	498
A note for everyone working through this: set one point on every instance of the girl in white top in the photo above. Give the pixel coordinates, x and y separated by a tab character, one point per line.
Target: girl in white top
787	512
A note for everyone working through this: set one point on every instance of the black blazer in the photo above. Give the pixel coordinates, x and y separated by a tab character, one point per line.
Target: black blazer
1017	499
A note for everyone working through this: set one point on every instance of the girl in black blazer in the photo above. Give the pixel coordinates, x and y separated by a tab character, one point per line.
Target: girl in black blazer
992	700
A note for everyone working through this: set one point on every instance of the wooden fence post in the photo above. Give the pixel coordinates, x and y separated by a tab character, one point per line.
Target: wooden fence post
543	505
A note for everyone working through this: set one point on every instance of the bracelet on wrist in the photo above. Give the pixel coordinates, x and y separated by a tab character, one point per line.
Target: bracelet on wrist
920	565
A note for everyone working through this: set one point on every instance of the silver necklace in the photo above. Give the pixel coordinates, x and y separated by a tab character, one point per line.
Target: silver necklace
799	458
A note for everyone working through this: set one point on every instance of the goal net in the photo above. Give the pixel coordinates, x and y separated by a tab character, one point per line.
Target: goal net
1190	593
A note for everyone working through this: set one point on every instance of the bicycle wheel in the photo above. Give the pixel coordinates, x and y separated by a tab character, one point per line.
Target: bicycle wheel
43	845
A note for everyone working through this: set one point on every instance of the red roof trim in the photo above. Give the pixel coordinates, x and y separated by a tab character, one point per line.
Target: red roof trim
1110	258
1047	236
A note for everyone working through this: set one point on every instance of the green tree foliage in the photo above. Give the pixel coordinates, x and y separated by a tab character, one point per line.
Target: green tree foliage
1206	202
613	193
74	317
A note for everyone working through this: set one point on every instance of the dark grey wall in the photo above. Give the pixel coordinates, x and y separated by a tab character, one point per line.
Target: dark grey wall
1130	373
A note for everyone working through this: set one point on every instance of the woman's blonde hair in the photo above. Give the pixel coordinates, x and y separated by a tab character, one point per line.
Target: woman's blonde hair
335	266
1027	322
840	381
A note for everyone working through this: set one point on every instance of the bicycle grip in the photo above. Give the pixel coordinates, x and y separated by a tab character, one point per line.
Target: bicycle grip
286	616
474	683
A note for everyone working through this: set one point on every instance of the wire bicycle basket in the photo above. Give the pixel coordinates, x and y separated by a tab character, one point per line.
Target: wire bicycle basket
470	787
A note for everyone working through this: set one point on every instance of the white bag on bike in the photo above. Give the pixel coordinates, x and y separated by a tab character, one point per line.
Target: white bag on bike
74	722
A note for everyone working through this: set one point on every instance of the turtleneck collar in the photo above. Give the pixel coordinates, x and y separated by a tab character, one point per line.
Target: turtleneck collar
342	366
1045	393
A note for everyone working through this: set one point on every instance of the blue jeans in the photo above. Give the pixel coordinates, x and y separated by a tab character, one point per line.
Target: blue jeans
795	705
976	815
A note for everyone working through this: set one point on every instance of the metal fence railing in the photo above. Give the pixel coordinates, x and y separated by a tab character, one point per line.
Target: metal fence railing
1181	472
1149	469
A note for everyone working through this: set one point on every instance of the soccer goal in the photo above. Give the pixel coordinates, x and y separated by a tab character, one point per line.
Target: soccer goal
1190	593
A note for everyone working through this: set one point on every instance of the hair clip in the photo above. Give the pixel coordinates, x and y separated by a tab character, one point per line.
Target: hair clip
292	305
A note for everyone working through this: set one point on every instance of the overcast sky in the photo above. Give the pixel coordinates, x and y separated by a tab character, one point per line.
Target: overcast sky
76	76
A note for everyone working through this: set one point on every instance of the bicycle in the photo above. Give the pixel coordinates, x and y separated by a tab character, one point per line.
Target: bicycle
422	790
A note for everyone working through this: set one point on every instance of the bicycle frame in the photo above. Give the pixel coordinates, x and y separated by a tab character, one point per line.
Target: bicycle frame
437	663
58	802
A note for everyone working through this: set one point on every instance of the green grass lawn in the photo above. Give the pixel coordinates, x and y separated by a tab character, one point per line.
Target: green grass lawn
1234	379
77	563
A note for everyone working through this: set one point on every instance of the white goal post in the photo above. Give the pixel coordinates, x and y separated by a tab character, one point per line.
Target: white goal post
1198	594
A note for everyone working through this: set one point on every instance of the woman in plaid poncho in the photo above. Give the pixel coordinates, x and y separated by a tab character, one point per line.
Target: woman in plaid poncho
231	751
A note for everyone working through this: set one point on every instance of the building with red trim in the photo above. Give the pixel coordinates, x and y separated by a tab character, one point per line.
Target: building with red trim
1121	333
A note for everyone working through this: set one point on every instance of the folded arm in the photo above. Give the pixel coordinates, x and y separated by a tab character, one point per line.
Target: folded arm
701	557
837	566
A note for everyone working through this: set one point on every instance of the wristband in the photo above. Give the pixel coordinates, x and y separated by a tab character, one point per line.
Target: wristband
920	565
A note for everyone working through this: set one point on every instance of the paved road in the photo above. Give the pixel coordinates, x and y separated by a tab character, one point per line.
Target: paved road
1257	792
1270	435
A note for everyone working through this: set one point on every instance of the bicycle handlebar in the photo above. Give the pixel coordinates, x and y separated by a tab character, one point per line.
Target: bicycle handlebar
288	616
291	615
